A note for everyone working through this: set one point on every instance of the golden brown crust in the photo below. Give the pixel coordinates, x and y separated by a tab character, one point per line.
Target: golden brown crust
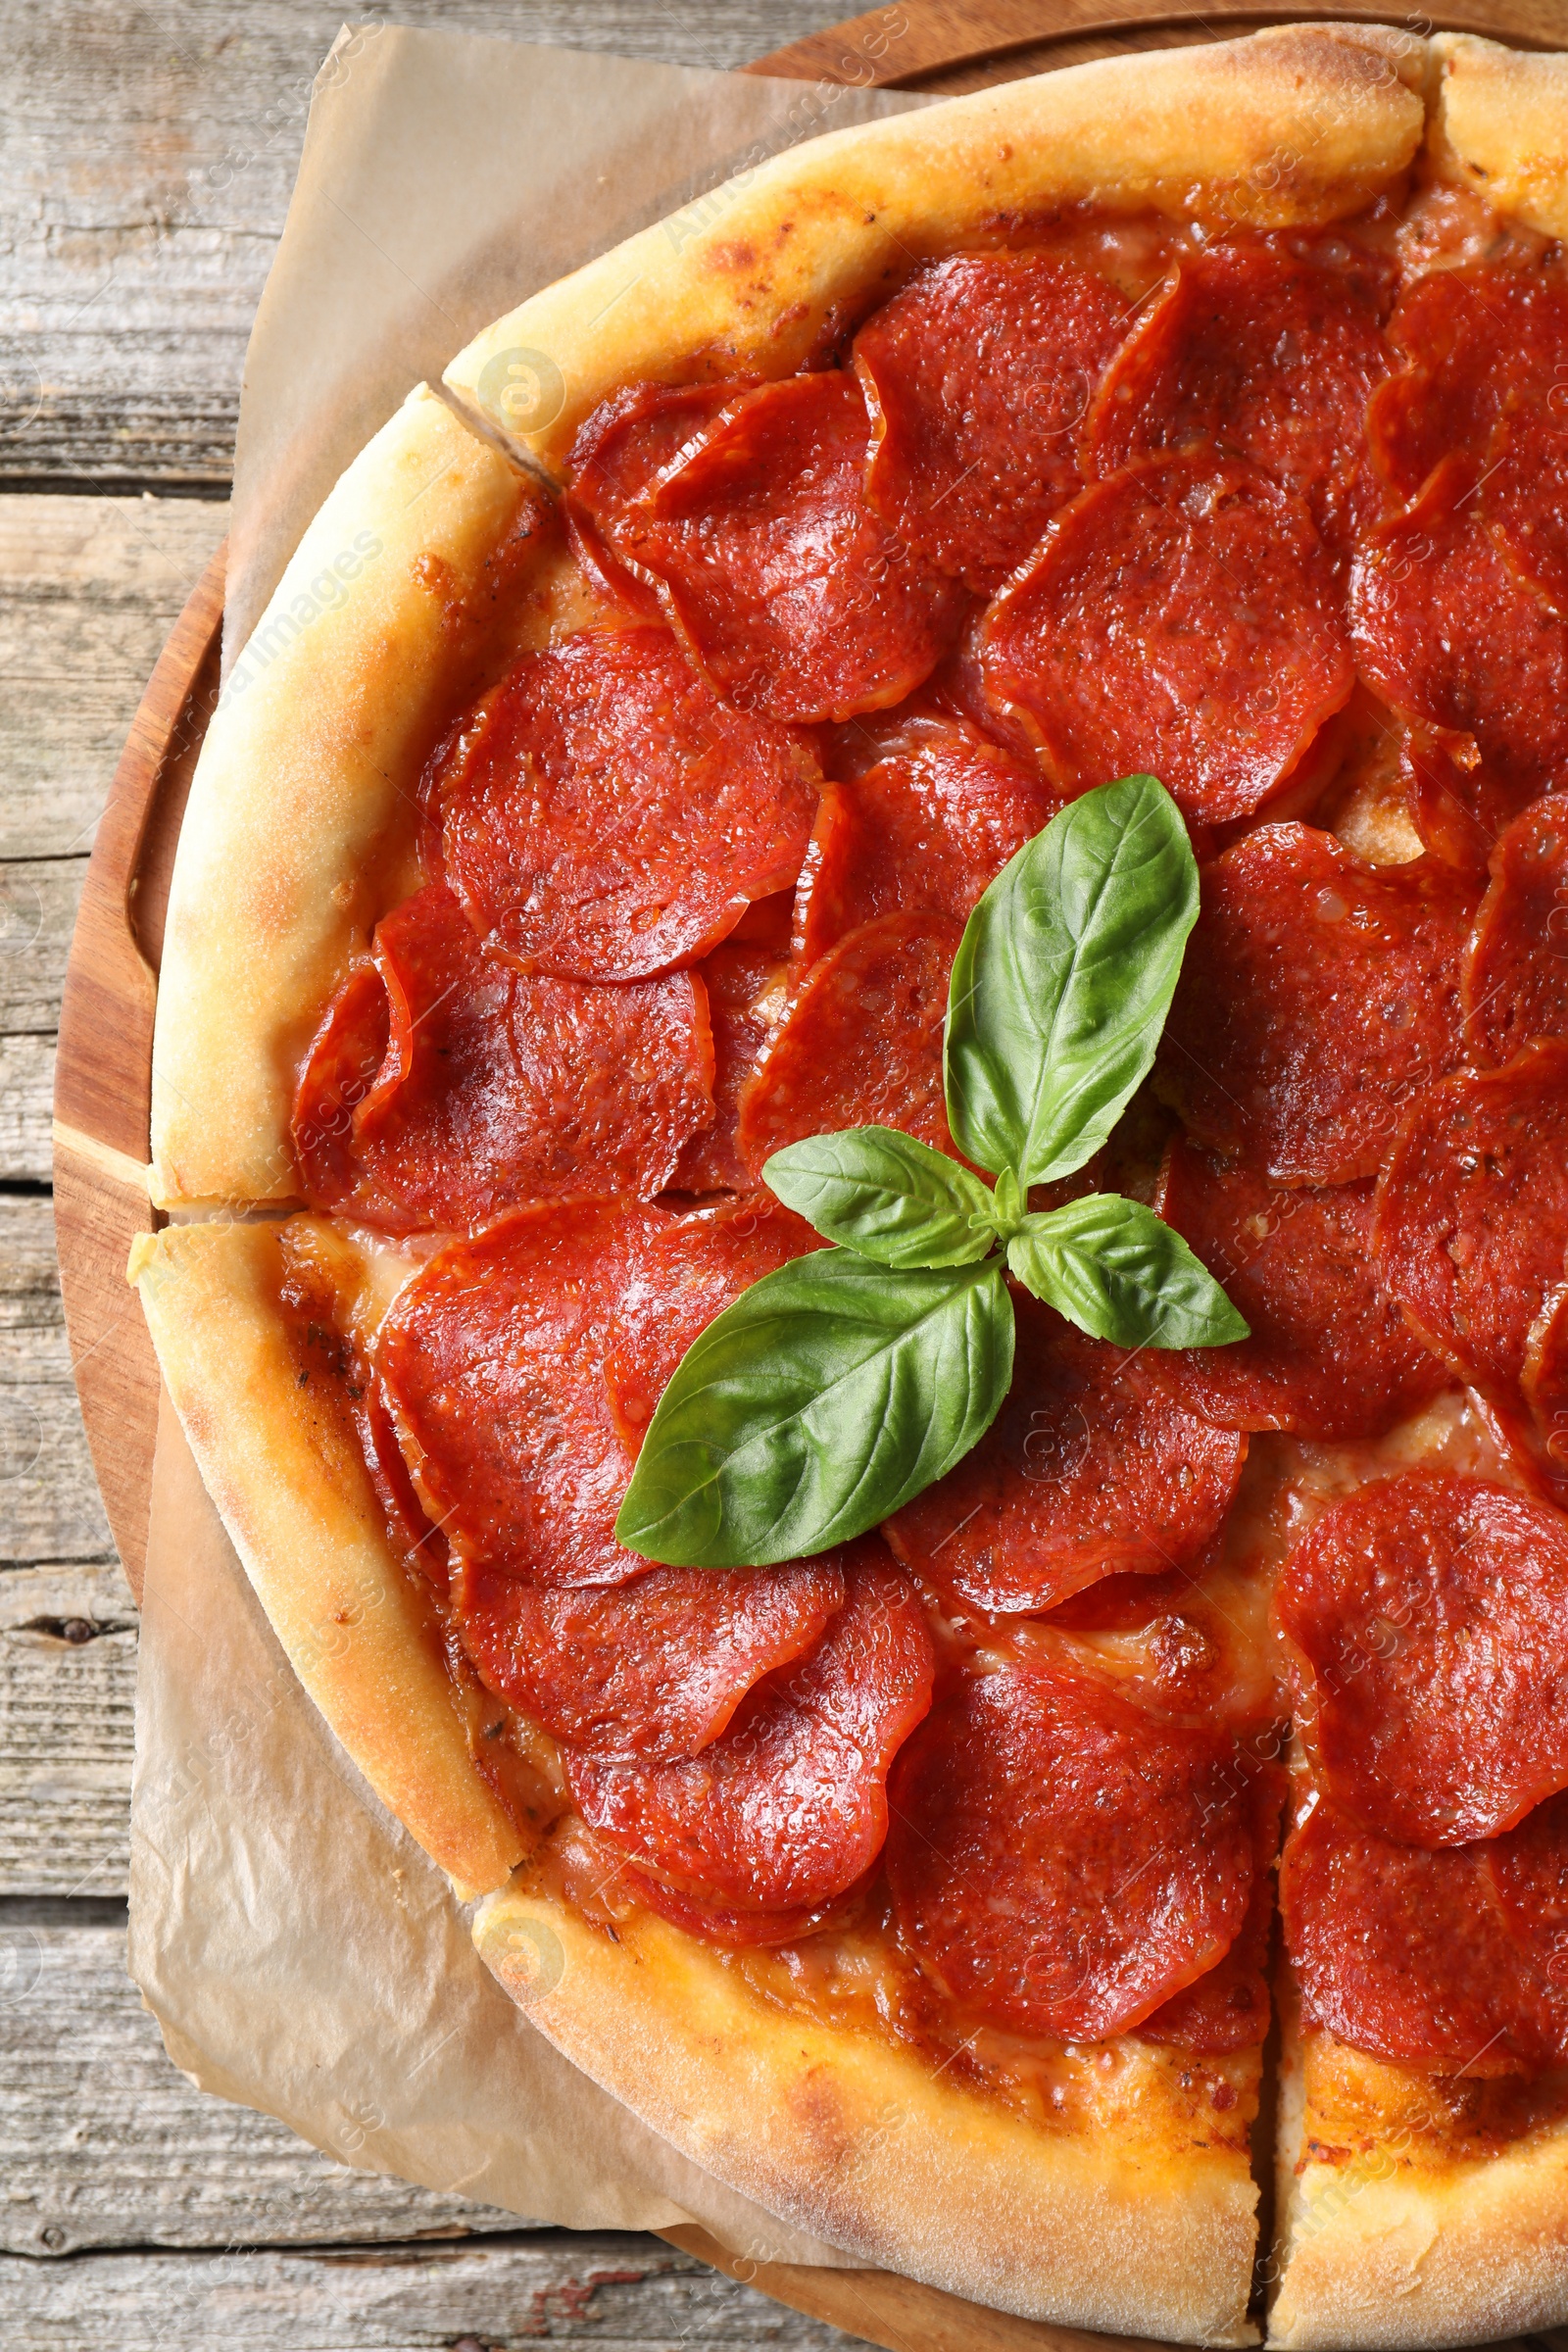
303	798
1501	127
865	2145
297	1501
1304	124
1392	2240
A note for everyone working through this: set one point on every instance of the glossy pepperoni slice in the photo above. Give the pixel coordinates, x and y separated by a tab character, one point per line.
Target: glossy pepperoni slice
788	1806
492	1089
1529	1874
617	459
1471	338
978	375
1253	353
1330	1354
493	1358
678	1278
1060	1863
1472	1218
1460	806
1403	1952
1318	993
607	816
1430	1620
791	592
1182	619
863	1044
726	1924
747	992
1454	640
1525	491
1088	1470
1228	2009
1544	1385
652	1668
923	832
1516	969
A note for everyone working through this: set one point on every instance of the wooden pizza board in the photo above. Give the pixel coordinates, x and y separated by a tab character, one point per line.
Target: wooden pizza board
103	1084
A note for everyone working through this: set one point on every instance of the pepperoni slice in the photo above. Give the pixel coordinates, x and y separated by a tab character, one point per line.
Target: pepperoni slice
492	1089
493	1358
1182	619
1401	1952
788	1806
1253	353
1525	492
1059	1862
1516	970
1460	807
652	1668
1228	2009
607	816
678	1279
1471	338
746	997
979	374
863	1044
721	1924
1330	1354
1527	1871
791	592
1088	1470
1545	1382
1430	1615
1449	635
923	832
616	458
1472	1218
1317	992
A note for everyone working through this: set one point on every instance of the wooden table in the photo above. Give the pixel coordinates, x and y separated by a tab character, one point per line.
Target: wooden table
146	159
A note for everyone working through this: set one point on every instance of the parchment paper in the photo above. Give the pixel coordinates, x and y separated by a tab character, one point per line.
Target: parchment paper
300	1952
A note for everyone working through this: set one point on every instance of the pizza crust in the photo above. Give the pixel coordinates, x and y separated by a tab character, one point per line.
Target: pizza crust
863	2143
1388	2248
278	1457
302	808
1501	127
1303	124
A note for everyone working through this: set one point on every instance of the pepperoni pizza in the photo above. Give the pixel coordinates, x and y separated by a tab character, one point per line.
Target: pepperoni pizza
746	604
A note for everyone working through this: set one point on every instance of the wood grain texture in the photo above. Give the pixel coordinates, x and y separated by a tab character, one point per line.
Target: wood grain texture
485	2297
50	1507
948	46
89	589
68	1690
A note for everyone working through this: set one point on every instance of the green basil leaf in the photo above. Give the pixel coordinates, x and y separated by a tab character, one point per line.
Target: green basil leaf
890	1198
1063	979
828	1395
1121	1273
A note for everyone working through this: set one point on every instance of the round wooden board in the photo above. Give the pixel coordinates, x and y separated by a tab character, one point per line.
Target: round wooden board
103	1086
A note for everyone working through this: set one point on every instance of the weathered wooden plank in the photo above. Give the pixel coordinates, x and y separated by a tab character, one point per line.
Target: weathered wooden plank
89	589
27	1097
629	2292
38	912
103	2142
68	1689
146	159
49	1502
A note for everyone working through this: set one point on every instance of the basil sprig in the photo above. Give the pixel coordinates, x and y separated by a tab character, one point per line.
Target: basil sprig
835	1389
